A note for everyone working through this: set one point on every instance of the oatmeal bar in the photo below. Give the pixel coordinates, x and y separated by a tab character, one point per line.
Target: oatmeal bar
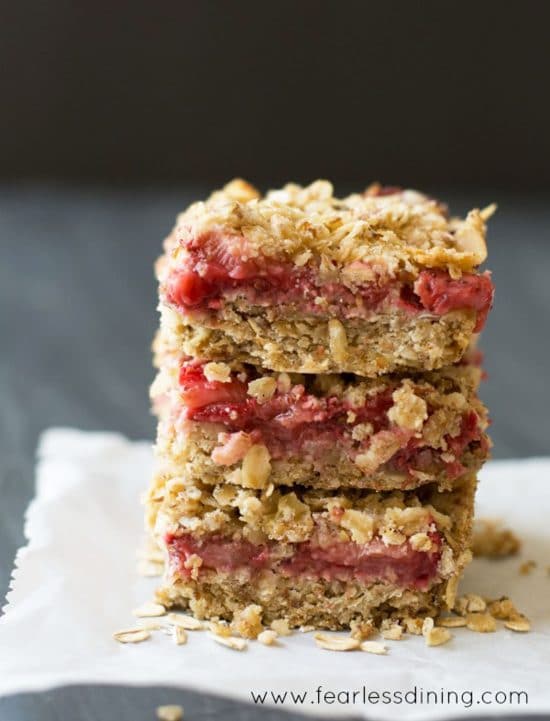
302	281
241	425
326	558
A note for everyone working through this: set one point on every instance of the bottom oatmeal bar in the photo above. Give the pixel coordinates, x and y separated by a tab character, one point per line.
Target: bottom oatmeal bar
309	556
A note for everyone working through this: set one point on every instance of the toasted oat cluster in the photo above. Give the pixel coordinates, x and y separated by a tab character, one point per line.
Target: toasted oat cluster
319	426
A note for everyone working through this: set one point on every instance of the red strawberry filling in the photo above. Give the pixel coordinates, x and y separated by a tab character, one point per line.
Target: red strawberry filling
217	268
295	423
342	560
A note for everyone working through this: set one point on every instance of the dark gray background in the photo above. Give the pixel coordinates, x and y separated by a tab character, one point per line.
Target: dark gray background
186	90
114	116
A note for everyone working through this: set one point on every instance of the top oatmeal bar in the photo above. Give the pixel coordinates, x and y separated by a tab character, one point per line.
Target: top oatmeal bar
299	280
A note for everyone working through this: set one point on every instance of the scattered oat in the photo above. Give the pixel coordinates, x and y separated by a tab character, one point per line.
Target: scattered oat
267	637
481	622
280	626
189	623
219	629
132	635
503	609
492	541
237	644
520	624
391	632
248	621
470	603
413	625
306	629
336	643
526	568
451	621
374	647
437	636
362	630
475	603
170	713
149	610
427	625
180	635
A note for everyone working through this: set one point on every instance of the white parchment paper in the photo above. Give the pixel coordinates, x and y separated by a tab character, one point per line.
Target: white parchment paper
75	583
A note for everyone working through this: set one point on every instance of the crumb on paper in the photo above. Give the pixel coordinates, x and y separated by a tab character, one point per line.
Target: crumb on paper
526	567
519	623
336	643
170	712
481	622
267	637
131	635
437	636
180	636
280	626
237	644
492	540
248	621
391	630
374	647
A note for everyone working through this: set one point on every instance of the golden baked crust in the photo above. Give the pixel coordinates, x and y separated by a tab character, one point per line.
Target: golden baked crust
390	343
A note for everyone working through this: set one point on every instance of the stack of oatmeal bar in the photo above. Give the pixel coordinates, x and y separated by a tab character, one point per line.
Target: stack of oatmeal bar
319	427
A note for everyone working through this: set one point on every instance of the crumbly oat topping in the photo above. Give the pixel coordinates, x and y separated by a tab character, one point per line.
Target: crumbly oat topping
219	372
409	410
359	524
262	389
404	229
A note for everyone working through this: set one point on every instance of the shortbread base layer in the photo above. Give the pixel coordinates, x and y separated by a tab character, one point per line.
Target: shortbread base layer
278	340
319	603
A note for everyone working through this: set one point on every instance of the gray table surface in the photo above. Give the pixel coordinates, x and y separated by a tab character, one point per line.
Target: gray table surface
77	300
